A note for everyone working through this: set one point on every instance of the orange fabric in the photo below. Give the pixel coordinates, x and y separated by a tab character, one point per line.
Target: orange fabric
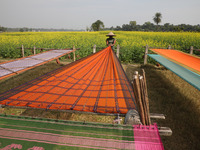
96	83
191	62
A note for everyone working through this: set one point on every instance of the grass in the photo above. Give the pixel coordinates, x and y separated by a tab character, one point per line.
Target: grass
168	94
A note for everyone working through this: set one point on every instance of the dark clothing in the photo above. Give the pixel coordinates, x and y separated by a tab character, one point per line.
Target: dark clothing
110	41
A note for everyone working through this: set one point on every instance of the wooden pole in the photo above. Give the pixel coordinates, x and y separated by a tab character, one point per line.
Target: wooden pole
143	98
145	55
191	50
74	53
34	52
169	47
22	50
145	88
94	49
118	51
57	61
146	97
136	87
144	101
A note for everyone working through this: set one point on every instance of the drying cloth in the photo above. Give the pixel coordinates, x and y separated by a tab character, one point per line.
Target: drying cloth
96	83
187	75
186	60
13	67
42	133
147	137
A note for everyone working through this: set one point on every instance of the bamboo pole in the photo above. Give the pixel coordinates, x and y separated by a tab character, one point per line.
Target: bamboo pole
146	96
191	50
136	87
143	98
146	55
74	53
22	50
94	49
145	86
144	101
118	51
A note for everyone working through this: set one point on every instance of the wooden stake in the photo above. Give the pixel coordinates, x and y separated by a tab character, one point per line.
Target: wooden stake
118	51
74	53
94	49
57	61
145	55
34	52
191	50
22	51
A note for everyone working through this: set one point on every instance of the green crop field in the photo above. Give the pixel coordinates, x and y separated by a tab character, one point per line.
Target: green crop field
131	43
168	94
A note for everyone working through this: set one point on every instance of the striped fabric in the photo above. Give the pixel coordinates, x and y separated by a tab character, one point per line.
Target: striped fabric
96	83
186	60
13	67
147	137
187	75
27	132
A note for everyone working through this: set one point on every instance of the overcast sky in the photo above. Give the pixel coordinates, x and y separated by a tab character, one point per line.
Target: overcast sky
78	14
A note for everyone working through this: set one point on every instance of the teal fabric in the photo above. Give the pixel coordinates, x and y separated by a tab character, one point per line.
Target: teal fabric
189	76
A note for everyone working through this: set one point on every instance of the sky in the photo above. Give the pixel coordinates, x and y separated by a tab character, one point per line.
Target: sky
79	14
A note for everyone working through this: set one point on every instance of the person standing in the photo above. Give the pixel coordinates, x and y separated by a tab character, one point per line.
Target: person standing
110	41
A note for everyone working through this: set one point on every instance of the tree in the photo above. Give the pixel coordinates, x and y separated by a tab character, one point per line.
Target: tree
97	26
148	26
132	23
157	18
2	29
21	30
87	29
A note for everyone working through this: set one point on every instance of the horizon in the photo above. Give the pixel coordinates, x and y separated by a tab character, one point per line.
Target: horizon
79	14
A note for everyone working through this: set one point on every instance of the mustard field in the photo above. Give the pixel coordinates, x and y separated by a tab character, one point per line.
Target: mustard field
131	43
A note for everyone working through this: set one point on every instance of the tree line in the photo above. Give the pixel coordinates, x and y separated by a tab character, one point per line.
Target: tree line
147	26
132	26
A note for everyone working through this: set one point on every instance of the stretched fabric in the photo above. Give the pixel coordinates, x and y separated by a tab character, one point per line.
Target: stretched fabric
11	68
147	137
188	61
187	75
62	134
96	83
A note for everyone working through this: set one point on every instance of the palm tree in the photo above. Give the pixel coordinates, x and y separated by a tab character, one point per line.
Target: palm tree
157	18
